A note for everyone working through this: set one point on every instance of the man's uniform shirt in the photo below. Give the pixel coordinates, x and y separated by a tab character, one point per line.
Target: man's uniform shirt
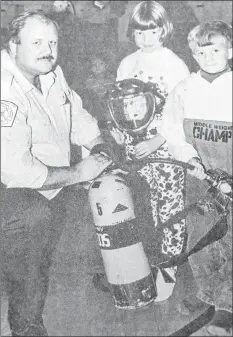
37	127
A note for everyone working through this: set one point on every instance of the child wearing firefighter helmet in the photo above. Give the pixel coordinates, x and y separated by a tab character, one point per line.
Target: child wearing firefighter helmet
197	122
150	27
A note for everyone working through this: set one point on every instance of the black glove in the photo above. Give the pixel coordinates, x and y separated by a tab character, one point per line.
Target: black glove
113	151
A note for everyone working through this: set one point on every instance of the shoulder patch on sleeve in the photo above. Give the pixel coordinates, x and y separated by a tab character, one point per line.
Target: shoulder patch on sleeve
8	113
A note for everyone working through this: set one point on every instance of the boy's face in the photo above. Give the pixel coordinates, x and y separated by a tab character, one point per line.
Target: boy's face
148	40
214	57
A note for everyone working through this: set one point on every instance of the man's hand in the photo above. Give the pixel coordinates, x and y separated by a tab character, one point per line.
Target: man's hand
198	171
91	167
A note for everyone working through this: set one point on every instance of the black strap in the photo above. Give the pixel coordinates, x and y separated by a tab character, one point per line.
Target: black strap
196	324
217	231
102	147
180	215
112	150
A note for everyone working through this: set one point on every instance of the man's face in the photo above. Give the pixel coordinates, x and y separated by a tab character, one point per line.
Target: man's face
36	54
214	57
148	40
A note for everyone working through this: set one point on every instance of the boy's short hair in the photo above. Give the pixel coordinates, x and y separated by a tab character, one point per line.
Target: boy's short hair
149	15
202	34
19	21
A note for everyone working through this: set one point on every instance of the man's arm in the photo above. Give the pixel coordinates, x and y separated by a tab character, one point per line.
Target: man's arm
20	169
88	169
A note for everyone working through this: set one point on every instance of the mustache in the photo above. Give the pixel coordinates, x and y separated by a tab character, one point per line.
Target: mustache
46	57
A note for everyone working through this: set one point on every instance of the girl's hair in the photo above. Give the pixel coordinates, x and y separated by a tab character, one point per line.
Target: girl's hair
202	34
149	15
18	23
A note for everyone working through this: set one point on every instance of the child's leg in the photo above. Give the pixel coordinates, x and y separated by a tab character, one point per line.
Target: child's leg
166	198
212	266
207	261
195	190
223	293
147	173
151	226
221	324
171	179
165	278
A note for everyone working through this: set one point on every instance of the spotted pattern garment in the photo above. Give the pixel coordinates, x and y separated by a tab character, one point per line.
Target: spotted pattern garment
166	182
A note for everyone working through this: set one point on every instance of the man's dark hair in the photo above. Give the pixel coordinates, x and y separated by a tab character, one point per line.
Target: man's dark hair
19	21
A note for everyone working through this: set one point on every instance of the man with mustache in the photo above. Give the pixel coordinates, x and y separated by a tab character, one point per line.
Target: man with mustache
40	117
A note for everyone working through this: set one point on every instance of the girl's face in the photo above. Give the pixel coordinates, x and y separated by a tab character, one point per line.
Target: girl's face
135	108
148	40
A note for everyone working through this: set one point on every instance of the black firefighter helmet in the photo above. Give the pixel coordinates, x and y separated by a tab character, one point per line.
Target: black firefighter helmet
133	104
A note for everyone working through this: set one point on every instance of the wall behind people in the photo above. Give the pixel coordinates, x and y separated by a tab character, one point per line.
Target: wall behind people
81	40
84	33
212	10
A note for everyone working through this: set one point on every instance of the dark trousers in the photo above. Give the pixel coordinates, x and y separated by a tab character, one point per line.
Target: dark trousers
211	266
32	227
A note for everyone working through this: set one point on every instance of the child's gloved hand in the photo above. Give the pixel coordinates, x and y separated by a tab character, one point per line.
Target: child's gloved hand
198	171
144	149
117	135
225	188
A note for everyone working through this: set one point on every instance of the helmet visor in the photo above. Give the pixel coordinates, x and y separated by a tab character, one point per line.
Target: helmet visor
132	112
